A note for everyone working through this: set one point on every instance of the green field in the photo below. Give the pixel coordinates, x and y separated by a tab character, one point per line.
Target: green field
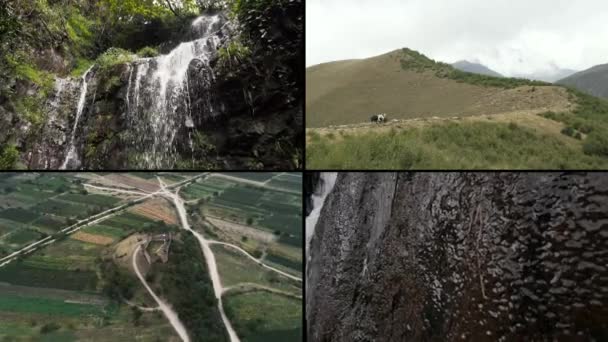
265	317
23	236
475	145
69	254
47	306
19	273
110	231
50	223
254	176
293	265
236	268
19	215
293	183
94	199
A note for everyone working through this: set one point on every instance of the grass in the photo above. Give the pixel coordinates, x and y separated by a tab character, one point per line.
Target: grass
590	117
82	65
477	145
109	231
236	268
19	215
23	236
101	200
46	306
415	61
294	265
261	316
112	57
147	52
18	273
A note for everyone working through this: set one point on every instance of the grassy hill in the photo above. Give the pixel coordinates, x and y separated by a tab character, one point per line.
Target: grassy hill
443	118
406	84
475	68
593	81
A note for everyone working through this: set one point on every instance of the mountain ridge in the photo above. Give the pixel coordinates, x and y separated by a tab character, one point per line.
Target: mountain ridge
593	81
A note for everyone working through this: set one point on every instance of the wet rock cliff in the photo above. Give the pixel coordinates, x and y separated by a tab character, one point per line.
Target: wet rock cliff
461	257
225	92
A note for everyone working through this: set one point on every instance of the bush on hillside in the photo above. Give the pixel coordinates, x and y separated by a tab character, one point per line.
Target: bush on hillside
415	61
148	52
113	56
596	144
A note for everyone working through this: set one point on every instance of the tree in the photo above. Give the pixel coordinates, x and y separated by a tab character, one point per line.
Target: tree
136	315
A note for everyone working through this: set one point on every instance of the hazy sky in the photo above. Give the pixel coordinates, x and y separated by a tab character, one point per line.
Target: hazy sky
509	36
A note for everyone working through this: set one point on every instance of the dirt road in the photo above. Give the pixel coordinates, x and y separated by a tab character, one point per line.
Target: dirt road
166	309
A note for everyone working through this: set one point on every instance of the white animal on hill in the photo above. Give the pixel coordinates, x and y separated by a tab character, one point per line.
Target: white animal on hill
380	118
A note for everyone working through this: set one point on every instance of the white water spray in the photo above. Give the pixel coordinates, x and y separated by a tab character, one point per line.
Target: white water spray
162	104
326	184
71	155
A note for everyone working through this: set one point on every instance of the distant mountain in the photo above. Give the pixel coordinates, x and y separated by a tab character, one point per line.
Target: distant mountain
475	68
593	81
548	76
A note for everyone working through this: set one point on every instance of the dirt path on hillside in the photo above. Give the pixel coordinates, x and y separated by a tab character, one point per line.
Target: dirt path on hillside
166	309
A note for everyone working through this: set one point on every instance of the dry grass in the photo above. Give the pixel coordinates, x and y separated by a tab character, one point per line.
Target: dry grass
92	238
349	92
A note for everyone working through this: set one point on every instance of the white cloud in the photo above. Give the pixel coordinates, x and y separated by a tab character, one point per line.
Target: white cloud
509	36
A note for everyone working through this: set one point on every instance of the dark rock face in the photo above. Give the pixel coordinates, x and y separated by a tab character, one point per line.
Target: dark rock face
461	257
249	116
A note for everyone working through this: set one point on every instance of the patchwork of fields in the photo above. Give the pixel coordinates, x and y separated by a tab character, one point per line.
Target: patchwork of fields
58	291
33	206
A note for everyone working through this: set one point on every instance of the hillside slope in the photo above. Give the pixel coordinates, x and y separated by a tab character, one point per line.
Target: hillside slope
406	84
593	81
475	68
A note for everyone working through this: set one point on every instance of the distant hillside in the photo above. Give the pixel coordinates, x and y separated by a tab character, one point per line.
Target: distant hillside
475	68
406	84
593	81
548	76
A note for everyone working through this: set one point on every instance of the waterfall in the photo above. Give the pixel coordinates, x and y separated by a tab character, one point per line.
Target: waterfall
71	157
159	104
326	184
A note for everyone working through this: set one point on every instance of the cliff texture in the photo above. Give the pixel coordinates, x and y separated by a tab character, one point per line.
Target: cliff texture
461	256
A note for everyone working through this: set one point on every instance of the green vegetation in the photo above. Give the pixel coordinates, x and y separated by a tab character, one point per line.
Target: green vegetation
265	317
453	146
233	54
185	283
415	61
235	268
148	52
48	306
294	265
19	273
8	156
589	117
112	57
118	284
23	236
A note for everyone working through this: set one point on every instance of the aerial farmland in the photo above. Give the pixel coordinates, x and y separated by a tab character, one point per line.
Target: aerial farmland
151	256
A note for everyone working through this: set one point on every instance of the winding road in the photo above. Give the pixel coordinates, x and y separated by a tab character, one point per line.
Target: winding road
166	309
204	243
254	259
208	254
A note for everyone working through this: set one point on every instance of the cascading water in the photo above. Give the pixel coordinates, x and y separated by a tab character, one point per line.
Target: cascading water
71	158
158	103
326	184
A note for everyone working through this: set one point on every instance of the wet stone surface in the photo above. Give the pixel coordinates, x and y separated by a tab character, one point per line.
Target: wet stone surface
457	256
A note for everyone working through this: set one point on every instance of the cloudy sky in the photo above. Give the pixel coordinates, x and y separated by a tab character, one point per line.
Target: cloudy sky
509	36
